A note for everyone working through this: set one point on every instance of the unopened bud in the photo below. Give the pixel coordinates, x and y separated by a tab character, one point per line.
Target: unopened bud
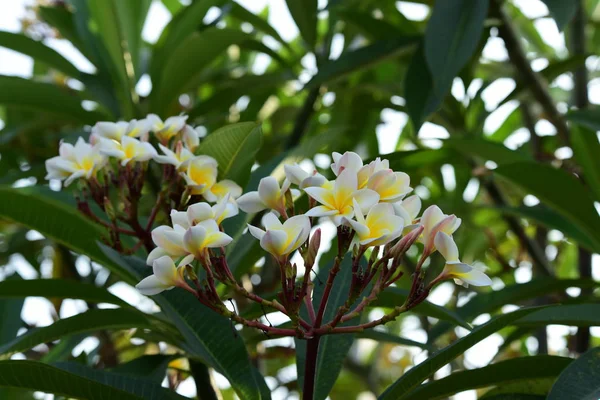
313	248
191	273
289	271
109	209
406	242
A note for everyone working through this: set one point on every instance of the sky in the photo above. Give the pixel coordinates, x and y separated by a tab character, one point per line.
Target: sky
37	310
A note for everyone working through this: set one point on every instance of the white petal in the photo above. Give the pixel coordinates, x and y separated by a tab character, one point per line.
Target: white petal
154	254
319	194
150	286
256	232
346	181
412	205
179	218
270	221
218	239
251	203
199	212
274	242
366	198
349	161
320	211
446	246
165	270
268	190
193	240
361	229
295	174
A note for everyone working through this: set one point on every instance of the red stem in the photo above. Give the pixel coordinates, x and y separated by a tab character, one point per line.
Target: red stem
310	367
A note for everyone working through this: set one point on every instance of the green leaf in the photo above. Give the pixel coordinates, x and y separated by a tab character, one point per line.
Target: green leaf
580	380
393	296
421	99
38	208
562	11
419	373
572	314
45	97
589	117
202	379
37	376
361	59
10	310
242	14
59	289
508	371
486	150
418	159
132	16
89	321
184	66
38	51
142	387
586	148
204	332
150	366
566	194
304	13
385	337
234	147
452	35
62	20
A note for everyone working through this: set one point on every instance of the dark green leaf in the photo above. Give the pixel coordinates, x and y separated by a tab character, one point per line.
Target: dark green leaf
586	148
452	35
385	337
589	117
572	314
419	373
508	371
421	99
580	380
150	366
486	150
239	12
304	13
562	11
10	310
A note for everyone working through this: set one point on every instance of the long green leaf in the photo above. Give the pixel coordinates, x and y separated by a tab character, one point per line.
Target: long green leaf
89	321
304	13
452	35
46	97
486	150
580	380
204	332
586	148
566	194
361	59
571	314
150	366
380	336
508	371
589	117
416	375
561	11
10	310
59	289
38	51
239	12
234	147
38	209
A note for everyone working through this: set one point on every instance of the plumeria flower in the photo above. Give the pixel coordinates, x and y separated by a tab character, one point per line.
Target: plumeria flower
408	208
352	161
380	227
128	149
337	201
297	176
391	186
281	239
166	276
178	158
434	221
116	130
164	131
169	241
191	138
225	208
223	188
201	174
204	235
463	274
73	162
269	195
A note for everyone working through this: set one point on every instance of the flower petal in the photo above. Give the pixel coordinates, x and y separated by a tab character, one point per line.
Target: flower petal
165	270
446	246
274	242
150	286
251	203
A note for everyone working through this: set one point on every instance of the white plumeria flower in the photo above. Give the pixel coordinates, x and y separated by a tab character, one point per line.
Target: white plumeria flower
167	129
337	201
391	186
191	137
204	235
116	130
169	241
434	221
201	174
297	176
269	195
282	239
225	208
128	149
380	227
463	274
178	158
166	276
219	190
73	162
408	208
352	161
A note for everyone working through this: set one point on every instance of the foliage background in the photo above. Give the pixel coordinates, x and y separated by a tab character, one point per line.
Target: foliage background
506	136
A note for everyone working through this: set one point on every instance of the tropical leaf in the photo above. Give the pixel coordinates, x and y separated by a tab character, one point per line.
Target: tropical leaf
304	13
561	11
580	380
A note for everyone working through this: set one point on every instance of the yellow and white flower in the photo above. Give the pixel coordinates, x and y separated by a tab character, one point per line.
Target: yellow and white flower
391	186
201	174
337	201
434	221
164	131
282	239
352	161
204	235
73	162
463	274
178	158
191	137
169	241
380	227
116	130
225	208
128	149
297	176
269	195
408	209
223	188
166	276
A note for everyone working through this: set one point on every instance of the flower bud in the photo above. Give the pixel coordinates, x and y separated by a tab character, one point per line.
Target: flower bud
313	248
408	240
109	209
